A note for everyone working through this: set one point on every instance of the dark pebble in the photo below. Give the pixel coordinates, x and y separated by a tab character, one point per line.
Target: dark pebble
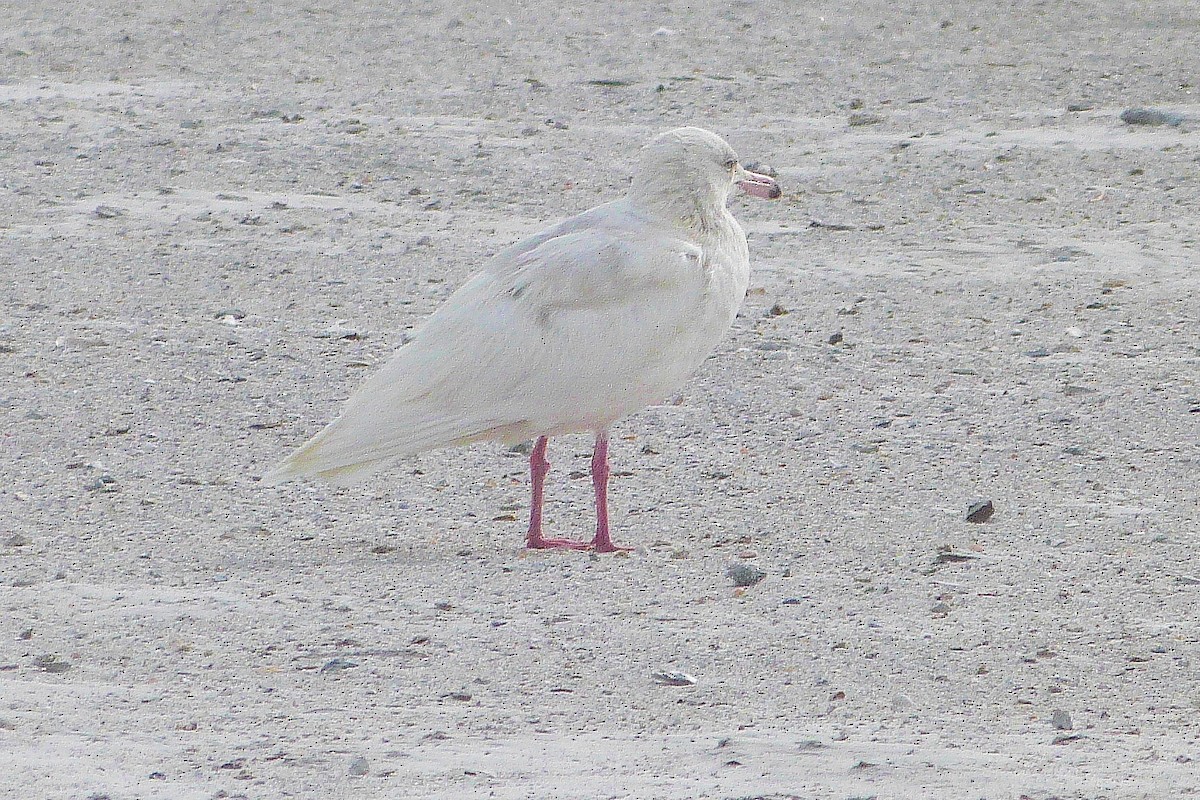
830	226
745	574
610	83
947	555
980	511
1150	116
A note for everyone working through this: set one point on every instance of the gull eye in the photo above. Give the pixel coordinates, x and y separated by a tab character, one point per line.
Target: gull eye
730	164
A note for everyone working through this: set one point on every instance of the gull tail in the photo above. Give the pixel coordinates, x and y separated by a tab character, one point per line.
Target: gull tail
314	460
350	448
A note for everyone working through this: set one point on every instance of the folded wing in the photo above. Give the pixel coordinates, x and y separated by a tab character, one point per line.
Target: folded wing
553	334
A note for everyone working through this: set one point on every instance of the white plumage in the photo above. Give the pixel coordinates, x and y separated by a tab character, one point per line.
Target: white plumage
568	330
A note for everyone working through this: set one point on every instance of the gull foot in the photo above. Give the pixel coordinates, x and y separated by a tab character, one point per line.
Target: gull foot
609	547
540	543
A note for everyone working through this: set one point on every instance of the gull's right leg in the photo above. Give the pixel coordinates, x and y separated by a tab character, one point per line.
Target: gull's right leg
538	467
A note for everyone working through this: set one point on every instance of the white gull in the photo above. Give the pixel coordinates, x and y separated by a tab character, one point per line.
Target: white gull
566	331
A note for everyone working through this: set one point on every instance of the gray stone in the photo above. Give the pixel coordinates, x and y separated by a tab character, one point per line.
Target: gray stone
1061	720
1150	116
743	574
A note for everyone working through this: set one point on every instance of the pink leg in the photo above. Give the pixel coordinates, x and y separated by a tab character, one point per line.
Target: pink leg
603	542
538	467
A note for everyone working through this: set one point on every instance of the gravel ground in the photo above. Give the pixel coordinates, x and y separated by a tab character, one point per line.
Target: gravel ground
981	284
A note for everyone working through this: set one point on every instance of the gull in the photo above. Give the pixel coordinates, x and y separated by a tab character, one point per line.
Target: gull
566	331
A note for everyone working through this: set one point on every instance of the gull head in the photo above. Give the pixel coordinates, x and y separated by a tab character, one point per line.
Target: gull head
694	168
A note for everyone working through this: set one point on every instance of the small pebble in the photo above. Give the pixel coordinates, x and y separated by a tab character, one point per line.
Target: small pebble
1078	391
1150	116
1061	720
761	168
947	555
108	212
105	483
673	679
359	767
860	119
745	574
337	332
980	511
51	663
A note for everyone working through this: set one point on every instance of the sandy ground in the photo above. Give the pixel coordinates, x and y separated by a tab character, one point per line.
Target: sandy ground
216	217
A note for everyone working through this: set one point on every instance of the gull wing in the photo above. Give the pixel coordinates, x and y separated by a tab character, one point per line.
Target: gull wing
534	340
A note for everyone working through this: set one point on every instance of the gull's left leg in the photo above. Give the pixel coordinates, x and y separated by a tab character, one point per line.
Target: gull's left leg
603	542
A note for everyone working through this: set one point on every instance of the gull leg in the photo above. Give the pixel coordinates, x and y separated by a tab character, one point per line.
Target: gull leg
538	467
603	542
